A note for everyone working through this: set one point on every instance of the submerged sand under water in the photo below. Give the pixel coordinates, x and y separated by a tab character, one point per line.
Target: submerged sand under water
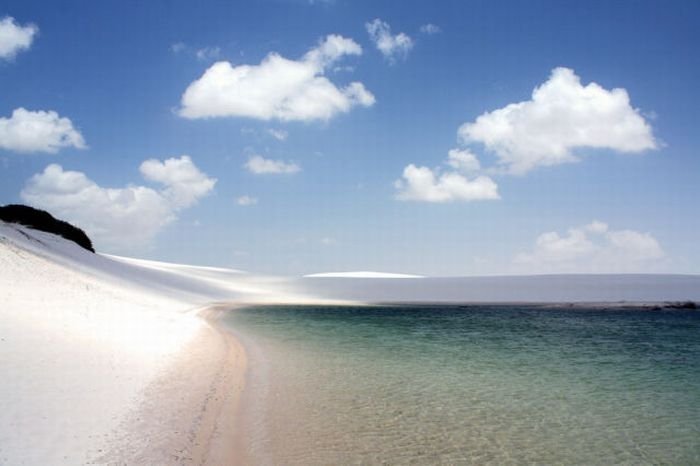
479	384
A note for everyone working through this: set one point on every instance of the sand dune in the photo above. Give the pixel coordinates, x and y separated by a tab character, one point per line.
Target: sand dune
84	339
361	274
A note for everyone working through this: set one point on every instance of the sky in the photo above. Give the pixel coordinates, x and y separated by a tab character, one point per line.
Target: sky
295	136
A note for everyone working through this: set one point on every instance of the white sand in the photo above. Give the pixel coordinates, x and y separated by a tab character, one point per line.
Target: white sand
84	337
361	274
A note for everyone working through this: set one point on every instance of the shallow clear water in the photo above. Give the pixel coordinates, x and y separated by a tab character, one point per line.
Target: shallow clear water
470	384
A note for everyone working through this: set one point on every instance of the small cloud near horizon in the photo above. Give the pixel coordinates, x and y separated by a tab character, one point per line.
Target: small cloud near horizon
592	248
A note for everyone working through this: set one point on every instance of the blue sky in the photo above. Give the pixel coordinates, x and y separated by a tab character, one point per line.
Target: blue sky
118	71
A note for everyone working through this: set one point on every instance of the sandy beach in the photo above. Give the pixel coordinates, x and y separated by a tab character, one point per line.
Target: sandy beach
187	415
107	362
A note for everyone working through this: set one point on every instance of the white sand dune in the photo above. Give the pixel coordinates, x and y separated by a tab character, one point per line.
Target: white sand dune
83	335
360	274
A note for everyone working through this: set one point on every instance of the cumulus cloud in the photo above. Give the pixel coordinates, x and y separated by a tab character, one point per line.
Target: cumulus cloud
592	248
456	183
246	200
463	161
261	166
15	38
41	131
184	183
424	184
563	115
391	46
430	29
122	218
277	88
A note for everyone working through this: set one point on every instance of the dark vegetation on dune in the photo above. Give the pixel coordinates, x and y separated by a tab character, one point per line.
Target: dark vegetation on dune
44	221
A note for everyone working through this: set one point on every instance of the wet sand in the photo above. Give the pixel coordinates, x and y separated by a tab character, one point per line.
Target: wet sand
187	416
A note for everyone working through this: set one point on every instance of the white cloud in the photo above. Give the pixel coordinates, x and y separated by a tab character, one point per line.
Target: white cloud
41	131
261	166
15	38
122	218
562	115
184	183
277	88
246	200
592	248
454	184
430	29
423	184
463	161
279	134
391	46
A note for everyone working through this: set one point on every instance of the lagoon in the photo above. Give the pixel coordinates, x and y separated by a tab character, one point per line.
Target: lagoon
486	384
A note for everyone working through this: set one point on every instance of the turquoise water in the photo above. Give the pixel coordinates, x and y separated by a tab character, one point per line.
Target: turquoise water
470	384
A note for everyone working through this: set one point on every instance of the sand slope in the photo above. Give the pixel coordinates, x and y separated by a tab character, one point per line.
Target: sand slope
84	337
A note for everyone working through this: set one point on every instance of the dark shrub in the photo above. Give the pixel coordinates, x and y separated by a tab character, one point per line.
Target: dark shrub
44	221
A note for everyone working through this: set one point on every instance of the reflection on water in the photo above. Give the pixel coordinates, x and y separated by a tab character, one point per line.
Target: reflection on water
471	384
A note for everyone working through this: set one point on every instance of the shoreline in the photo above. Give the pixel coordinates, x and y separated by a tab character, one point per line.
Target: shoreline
224	445
360	407
188	414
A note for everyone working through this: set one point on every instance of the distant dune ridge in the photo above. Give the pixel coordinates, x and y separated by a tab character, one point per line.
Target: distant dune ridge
361	274
568	288
98	351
